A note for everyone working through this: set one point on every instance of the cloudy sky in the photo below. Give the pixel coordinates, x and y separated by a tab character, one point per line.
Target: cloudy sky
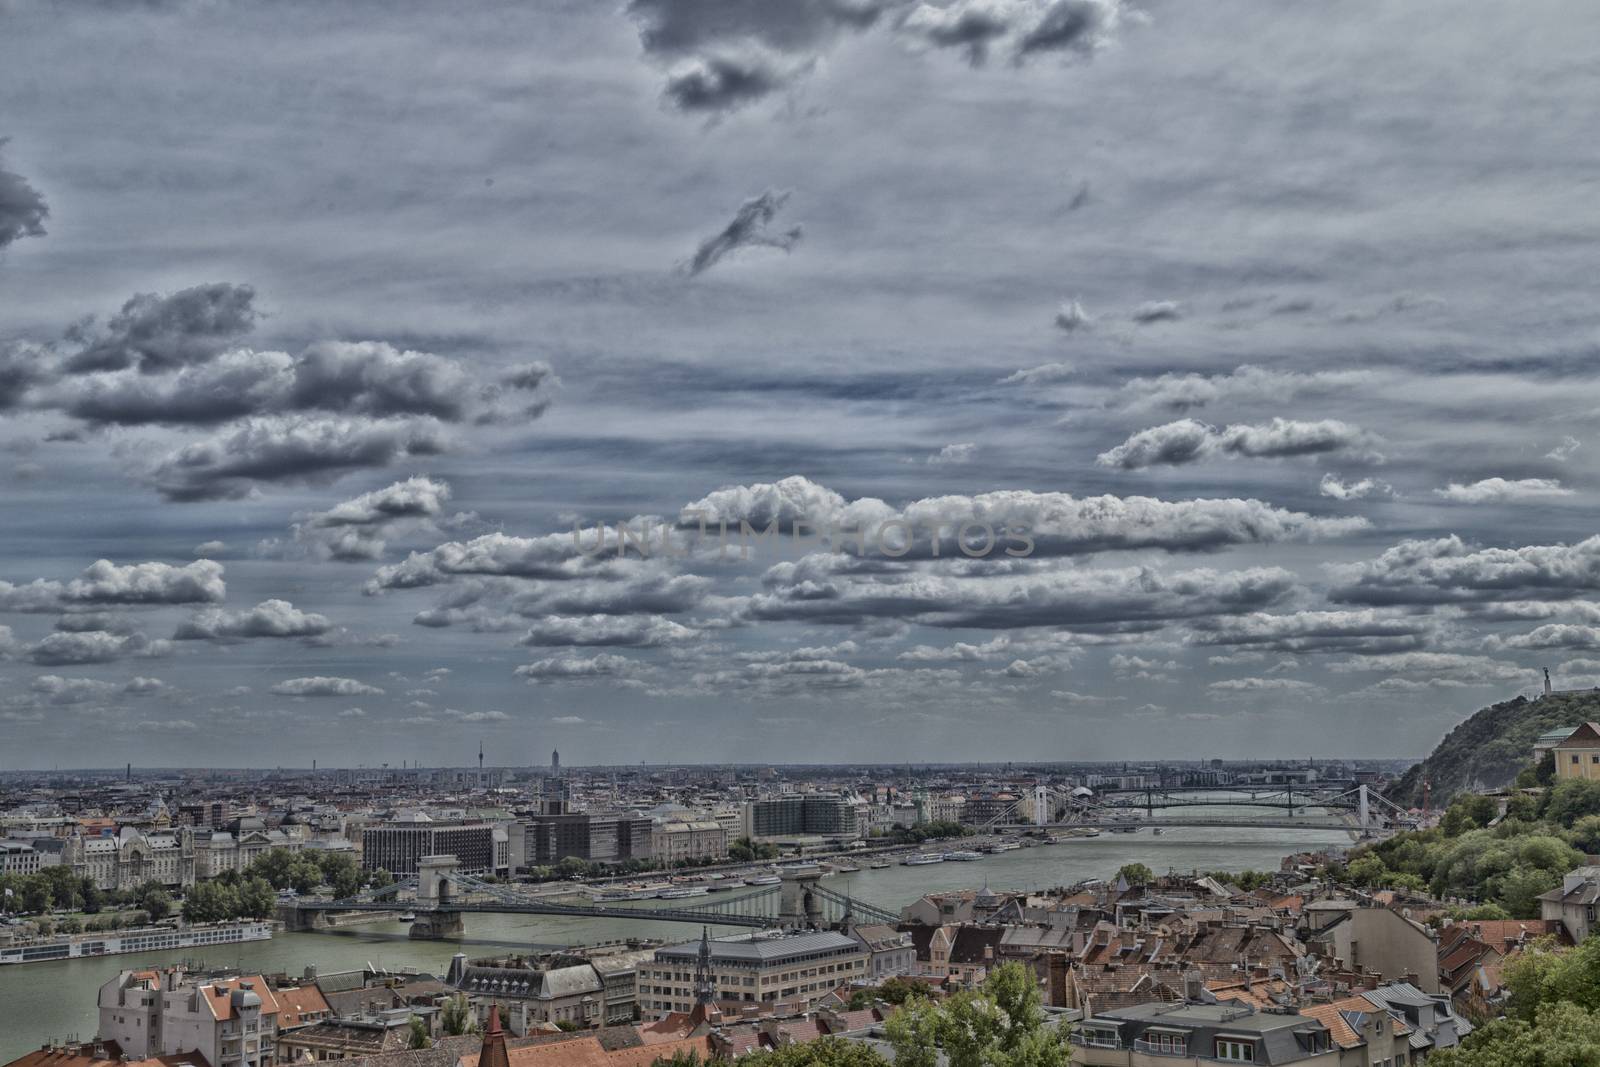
322	326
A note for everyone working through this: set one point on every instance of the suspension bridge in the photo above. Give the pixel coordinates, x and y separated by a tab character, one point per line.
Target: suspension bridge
1290	807
439	896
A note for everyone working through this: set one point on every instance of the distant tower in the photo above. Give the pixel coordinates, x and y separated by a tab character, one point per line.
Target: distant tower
1547	681
555	761
480	764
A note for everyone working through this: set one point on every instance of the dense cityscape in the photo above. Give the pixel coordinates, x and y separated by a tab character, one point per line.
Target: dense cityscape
718	911
799	533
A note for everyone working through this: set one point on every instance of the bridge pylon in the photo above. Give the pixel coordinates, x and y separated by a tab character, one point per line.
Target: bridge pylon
436	921
799	905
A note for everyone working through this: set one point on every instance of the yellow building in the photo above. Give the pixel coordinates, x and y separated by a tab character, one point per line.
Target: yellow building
1579	755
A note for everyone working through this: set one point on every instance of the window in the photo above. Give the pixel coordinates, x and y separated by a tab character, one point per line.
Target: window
1574	757
1240	1051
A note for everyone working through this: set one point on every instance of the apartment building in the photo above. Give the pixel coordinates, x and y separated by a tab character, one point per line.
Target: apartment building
232	1022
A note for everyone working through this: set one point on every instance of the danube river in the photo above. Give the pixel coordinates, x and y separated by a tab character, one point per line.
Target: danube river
41	1001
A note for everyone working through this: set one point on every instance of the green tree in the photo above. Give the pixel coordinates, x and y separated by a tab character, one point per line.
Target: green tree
274	865
1368	870
1136	874
256	900
36	896
1001	1025
1563	1035
913	1033
824	1052
1571	799
155	901
1586	834
456	1016
417	1034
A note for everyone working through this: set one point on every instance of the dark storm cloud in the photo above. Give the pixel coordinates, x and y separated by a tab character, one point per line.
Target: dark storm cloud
22	366
685	27
374	378
1448	570
22	207
1188	441
368	378
722	83
729	53
747	230
159	333
1156	311
1079	26
293	449
232	386
973	28
724	54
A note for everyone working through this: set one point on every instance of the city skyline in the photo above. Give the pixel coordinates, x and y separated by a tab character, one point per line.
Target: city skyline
319	338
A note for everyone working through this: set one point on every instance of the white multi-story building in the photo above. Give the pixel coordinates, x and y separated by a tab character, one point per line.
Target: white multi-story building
674	842
233	1022
18	857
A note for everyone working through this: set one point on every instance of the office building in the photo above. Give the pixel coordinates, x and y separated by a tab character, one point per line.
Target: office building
758	968
396	847
601	837
804	815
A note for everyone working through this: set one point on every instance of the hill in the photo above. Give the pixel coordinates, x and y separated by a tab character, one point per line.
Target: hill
1492	746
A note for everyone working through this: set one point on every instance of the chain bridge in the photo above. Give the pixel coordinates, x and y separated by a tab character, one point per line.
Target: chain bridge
439	896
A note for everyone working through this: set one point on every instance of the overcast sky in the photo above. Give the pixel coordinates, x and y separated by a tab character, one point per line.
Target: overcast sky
322	325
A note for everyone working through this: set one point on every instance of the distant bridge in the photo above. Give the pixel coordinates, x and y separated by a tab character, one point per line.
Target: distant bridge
1365	812
439	895
1309	822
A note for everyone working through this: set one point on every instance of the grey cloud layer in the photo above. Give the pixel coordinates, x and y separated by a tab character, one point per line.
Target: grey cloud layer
22	207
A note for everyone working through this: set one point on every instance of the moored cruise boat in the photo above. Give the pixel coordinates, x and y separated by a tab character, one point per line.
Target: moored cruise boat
921	859
764	879
678	892
141	939
963	856
1004	846
881	865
